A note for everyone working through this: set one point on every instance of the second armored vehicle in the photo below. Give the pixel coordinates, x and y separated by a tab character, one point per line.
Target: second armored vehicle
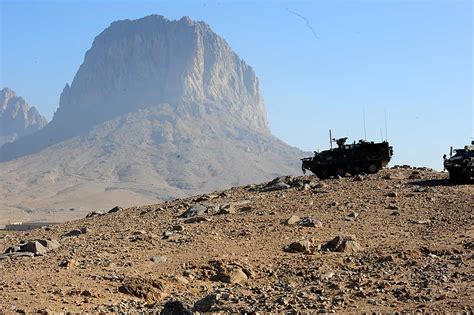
461	165
356	158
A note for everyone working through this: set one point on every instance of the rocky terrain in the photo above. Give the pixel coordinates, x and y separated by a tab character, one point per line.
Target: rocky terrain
399	240
17	118
159	109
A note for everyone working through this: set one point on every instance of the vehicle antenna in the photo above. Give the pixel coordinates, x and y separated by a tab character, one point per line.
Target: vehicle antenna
330	138
363	118
385	117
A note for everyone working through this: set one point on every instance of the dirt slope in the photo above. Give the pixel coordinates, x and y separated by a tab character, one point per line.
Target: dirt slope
143	157
411	249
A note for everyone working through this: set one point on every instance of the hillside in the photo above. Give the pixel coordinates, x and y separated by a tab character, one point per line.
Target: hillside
143	157
159	109
401	240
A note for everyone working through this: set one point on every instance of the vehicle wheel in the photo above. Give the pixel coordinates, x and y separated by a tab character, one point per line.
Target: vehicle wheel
454	176
357	169
372	168
465	176
323	174
340	171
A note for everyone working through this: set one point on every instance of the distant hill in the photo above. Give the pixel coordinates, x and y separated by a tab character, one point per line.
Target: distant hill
158	109
17	118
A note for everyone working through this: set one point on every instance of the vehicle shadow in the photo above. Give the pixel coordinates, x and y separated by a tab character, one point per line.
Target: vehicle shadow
438	182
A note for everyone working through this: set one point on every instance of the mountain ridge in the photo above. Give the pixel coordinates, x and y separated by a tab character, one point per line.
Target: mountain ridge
17	118
138	63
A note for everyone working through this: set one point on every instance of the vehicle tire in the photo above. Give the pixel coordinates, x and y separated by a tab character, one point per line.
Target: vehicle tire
323	174
372	168
454	176
465	176
340	171
356	169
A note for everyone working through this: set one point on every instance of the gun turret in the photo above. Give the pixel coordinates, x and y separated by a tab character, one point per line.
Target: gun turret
341	142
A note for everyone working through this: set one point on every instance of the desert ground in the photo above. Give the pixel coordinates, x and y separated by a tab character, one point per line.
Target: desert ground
400	240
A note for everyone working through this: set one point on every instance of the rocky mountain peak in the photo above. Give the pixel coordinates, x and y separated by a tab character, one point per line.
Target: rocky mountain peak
17	118
159	109
154	62
135	64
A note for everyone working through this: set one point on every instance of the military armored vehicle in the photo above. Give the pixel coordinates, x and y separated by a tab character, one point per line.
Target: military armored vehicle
460	165
356	158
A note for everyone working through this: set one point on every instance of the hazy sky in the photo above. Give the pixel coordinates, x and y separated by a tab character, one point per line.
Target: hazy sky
321	64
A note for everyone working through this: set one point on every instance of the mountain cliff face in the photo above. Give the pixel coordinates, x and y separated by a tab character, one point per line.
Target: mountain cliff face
135	64
147	62
17	118
158	109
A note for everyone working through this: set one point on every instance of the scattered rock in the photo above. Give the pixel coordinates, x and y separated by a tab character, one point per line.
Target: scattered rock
236	275
342	243
207	197
12	249
303	246
424	190
115	209
275	186
351	216
197	220
175	307
68	263
178	228
16	254
182	280
34	247
158	259
148	289
229	272
197	210
93	214
75	232
387	258
391	194
334	204
415	175
358	178
227	209
427	221
310	222
399	267
441	250
292	220
167	234
50	244
320	185
206	303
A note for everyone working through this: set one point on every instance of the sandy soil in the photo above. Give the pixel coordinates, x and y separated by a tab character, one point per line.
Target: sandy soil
411	249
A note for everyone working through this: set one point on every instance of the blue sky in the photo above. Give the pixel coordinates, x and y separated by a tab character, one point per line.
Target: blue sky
410	59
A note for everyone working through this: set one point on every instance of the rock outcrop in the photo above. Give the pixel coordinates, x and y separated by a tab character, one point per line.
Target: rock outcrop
17	118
